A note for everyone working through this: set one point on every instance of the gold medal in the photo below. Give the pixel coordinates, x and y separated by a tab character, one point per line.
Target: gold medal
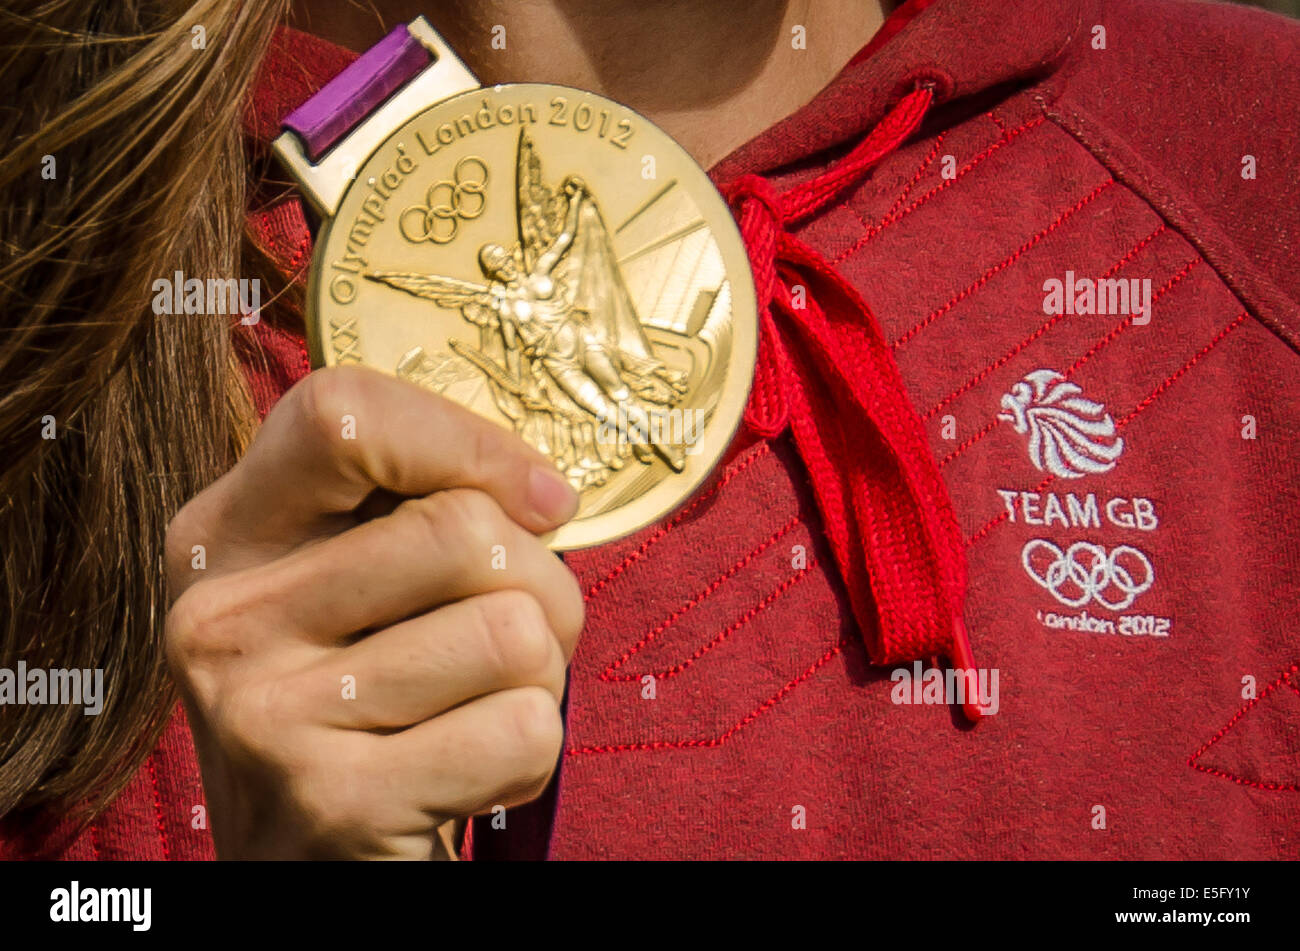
553	261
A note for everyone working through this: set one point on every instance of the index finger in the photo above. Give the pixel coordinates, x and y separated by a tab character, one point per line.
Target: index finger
344	432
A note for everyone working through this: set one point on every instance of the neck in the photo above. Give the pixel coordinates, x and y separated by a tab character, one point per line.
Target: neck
713	74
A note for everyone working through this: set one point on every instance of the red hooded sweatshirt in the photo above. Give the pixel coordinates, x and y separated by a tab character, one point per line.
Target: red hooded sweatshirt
1066	232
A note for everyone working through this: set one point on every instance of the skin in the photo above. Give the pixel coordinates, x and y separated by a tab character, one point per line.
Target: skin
356	671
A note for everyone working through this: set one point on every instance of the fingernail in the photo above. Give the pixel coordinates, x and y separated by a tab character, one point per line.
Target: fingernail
551	495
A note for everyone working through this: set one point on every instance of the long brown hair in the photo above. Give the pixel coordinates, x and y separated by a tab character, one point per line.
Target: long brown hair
140	112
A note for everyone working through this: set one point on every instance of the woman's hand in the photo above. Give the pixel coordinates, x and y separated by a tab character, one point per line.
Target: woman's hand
354	683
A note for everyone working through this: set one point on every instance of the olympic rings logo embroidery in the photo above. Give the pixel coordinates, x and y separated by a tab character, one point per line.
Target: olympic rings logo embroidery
1085	571
447	203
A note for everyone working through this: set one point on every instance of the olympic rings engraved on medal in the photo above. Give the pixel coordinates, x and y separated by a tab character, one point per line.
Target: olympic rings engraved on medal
447	203
1074	581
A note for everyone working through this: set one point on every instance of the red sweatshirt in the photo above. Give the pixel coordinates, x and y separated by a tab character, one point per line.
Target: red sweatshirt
1079	263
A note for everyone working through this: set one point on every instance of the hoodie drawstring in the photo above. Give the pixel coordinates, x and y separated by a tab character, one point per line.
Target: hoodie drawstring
825	369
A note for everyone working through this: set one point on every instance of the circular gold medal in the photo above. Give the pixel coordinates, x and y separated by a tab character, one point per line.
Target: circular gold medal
558	264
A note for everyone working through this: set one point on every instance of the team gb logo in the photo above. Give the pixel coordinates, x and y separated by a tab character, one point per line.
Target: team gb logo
1070	436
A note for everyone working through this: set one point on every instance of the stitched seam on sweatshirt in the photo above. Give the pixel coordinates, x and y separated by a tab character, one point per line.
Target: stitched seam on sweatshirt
709	589
1092	352
1016	350
303	247
872	231
741	621
1001	266
1286	678
745	618
1201	228
1183	369
158	808
736	468
920	171
744	721
1121	423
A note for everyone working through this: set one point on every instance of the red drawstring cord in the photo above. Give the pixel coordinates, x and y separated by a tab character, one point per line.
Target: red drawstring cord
825	368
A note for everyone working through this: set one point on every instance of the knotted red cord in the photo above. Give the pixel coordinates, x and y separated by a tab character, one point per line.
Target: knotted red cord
825	369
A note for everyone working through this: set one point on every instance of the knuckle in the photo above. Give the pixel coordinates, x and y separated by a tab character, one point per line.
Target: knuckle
519	642
572	613
469	521
196	624
539	734
327	394
178	542
494	456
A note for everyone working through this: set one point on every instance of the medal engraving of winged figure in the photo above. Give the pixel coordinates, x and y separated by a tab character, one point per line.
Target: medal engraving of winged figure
559	340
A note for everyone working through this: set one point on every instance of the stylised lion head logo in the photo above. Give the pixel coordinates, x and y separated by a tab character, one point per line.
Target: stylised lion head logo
1069	435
